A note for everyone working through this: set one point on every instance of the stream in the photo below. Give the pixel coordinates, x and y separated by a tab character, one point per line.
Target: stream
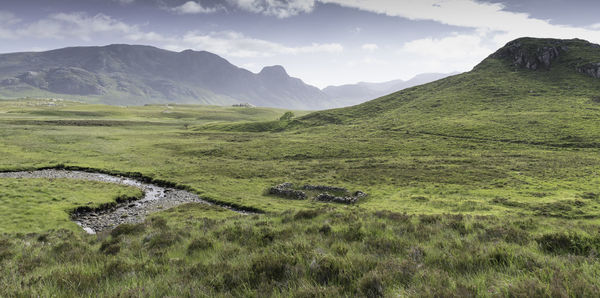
155	198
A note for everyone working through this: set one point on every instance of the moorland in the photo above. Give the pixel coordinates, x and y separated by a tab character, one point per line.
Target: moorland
480	184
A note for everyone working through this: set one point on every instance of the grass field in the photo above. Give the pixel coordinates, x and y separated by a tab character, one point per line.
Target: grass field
38	205
481	184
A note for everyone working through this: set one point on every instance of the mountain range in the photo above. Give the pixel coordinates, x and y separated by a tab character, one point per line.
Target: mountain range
122	74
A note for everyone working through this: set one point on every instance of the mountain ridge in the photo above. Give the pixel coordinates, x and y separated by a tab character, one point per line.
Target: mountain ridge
138	74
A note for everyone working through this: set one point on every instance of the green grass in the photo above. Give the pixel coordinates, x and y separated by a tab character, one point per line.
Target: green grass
321	252
496	170
38	205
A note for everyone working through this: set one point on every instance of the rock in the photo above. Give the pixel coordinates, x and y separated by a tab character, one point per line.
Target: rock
284	190
590	69
325	197
324	188
534	59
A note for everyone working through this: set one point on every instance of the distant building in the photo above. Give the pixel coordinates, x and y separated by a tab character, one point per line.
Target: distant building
243	105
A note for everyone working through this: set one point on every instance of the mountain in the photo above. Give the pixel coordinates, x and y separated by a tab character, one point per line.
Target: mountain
535	91
132	74
352	94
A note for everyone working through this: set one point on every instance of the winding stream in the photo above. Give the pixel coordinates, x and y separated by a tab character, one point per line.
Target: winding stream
155	198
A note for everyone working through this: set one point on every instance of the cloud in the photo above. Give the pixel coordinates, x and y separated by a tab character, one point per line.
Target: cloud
277	8
7	19
236	44
471	14
75	25
370	47
457	46
192	7
124	2
80	26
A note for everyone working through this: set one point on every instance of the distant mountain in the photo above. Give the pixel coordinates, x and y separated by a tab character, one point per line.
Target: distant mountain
132	74
353	94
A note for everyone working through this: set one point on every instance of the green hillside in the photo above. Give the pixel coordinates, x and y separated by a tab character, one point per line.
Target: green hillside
498	100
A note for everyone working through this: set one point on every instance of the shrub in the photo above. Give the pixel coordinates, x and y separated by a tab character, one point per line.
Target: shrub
287	116
158	223
116	268
5	249
307	214
353	232
590	196
370	285
199	244
572	243
326	269
272	267
127	229
161	240
110	247
325	229
429	219
75	280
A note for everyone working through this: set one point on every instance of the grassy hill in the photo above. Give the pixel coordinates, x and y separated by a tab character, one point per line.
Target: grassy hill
480	184
498	100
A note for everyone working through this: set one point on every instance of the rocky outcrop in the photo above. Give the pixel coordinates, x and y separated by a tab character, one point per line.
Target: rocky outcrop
590	69
531	57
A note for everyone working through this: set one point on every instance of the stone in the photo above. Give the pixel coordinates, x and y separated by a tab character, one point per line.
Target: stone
590	69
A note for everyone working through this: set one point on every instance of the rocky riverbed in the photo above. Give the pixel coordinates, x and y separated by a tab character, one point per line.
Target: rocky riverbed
155	198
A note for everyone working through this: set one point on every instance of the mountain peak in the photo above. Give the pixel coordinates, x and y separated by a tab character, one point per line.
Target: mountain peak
275	70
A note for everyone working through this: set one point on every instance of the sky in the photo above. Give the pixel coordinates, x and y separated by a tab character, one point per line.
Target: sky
323	42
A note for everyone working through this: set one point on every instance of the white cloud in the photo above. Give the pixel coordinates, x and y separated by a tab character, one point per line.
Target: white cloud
7	19
235	44
75	25
595	26
458	52
452	47
471	14
370	47
278	8
192	7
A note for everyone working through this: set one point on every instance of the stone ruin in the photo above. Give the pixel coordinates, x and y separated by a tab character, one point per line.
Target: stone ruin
285	190
325	197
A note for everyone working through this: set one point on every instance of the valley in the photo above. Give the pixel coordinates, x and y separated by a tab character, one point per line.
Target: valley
479	184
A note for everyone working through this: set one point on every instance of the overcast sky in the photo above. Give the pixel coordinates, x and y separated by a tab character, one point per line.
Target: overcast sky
323	42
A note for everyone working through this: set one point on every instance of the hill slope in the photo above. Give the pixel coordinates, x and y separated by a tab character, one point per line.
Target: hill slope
131	74
543	91
352	94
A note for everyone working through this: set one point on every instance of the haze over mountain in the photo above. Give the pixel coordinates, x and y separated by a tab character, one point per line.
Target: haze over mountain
133	74
352	94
